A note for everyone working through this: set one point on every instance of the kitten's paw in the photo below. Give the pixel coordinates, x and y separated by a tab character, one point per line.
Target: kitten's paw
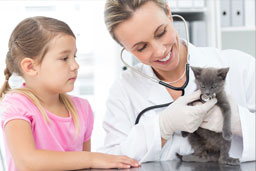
179	156
227	135
229	161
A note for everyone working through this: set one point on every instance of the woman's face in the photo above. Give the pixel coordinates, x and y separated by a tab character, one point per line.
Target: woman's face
150	36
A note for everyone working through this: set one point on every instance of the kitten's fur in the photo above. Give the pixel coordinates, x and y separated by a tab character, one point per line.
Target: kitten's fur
209	145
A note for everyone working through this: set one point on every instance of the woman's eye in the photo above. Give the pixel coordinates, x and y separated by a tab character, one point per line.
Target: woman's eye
162	33
143	47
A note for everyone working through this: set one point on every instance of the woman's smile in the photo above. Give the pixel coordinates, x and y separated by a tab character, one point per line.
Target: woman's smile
166	59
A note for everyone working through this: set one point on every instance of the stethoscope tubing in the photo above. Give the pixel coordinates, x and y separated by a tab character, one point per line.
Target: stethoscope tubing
150	108
182	89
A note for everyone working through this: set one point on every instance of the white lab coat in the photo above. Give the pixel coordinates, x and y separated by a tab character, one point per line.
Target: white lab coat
132	93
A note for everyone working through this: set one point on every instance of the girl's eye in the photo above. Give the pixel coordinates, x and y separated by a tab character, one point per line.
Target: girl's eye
64	59
143	47
162	33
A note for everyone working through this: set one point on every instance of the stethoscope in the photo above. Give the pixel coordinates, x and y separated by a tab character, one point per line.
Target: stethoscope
163	83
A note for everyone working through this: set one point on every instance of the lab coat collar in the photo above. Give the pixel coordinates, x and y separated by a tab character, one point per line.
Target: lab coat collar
157	93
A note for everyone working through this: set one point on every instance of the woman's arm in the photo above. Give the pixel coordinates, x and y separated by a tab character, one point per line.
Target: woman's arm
26	157
142	141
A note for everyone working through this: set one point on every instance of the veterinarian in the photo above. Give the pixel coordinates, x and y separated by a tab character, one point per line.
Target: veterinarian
145	29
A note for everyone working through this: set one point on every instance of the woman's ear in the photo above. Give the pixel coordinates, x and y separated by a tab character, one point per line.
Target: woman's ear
169	12
28	66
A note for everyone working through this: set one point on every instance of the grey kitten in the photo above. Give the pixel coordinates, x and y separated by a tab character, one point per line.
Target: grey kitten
209	145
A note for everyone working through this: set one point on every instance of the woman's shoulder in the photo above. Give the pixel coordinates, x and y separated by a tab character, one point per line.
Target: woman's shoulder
130	76
130	73
218	57
205	52
237	55
227	53
130	80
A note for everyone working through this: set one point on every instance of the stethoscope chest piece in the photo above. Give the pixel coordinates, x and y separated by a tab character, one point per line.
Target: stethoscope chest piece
204	98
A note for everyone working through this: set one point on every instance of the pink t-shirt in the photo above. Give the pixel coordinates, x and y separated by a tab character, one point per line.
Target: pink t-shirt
58	135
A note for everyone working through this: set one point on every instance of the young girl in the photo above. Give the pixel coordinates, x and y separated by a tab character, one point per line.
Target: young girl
44	128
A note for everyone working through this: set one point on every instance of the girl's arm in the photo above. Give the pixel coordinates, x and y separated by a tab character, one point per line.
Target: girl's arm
87	145
26	157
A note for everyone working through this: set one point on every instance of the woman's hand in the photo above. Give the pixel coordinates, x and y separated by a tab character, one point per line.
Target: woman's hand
100	160
183	117
214	119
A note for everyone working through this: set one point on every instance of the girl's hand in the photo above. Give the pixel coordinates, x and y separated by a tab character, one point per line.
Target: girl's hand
100	160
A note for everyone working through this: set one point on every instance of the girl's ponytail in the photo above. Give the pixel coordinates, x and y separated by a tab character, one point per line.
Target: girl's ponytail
6	87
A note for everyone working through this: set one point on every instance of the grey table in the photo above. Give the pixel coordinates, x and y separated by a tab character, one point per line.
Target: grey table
186	166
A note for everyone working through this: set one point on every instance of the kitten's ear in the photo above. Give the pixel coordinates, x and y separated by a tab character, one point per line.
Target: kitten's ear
222	73
197	71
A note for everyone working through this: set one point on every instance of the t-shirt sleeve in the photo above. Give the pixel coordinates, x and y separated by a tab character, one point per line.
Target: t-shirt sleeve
14	106
89	121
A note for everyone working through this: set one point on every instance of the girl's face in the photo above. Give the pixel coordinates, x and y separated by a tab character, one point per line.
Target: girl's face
58	71
150	36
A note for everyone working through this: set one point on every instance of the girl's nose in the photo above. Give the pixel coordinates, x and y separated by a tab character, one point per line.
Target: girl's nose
75	65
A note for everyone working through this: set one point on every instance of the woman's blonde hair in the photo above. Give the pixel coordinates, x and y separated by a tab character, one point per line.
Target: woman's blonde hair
30	39
118	11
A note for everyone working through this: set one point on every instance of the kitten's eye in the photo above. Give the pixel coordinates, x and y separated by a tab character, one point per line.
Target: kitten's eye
214	86
202	86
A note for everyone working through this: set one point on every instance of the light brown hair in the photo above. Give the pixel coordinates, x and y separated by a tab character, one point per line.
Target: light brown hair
118	11
30	39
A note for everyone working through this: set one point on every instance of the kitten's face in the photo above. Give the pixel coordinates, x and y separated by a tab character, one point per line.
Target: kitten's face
210	80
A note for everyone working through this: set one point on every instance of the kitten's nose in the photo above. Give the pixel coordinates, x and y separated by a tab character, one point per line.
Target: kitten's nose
207	93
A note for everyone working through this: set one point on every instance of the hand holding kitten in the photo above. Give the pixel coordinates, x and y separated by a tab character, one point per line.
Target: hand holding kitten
214	119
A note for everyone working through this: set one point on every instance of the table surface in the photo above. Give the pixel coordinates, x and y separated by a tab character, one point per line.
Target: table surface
187	166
